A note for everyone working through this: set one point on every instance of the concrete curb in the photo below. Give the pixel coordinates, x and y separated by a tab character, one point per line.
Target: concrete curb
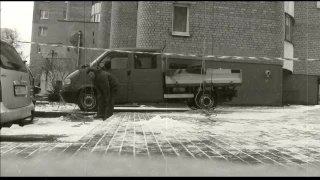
49	114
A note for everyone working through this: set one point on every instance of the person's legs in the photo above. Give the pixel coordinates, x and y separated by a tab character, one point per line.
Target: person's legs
101	107
110	105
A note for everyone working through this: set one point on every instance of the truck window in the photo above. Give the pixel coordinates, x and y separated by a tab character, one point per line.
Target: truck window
117	60
145	61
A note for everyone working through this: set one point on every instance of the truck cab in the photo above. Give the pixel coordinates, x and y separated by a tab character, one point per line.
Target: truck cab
140	76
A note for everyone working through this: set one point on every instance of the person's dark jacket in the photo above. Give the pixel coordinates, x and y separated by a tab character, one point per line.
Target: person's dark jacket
106	83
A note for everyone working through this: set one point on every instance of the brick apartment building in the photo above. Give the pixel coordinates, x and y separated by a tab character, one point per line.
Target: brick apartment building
232	28
59	22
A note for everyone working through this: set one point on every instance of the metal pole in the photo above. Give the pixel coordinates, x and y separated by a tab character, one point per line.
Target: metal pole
79	38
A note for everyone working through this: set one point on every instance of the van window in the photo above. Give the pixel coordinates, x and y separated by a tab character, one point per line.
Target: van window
10	59
114	61
145	61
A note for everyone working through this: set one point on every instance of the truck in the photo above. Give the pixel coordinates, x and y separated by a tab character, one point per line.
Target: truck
148	76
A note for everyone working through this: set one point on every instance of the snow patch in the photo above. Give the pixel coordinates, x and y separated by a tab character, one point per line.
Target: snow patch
167	126
73	131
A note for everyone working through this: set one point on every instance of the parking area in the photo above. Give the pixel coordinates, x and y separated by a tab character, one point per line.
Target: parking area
279	136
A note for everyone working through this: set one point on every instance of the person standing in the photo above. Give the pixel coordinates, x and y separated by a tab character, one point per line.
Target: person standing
108	87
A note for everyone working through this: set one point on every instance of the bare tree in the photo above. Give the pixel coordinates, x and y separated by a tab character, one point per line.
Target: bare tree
13	36
56	70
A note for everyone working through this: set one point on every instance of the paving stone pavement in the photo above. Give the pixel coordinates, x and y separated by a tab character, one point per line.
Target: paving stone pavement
121	135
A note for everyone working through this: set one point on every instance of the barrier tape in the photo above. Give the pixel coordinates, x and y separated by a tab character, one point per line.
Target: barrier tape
170	54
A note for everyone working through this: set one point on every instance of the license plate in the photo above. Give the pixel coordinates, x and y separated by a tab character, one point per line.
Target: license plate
20	90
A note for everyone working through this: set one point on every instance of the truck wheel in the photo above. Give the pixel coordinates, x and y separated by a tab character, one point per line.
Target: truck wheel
205	101
87	100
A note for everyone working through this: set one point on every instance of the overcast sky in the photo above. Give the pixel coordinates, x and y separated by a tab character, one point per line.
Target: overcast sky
18	14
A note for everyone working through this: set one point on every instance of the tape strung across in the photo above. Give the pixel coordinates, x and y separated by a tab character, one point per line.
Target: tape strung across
168	54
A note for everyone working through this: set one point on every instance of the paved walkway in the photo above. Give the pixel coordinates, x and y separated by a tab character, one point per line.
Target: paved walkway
126	134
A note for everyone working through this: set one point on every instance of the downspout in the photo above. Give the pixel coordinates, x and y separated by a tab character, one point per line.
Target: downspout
79	39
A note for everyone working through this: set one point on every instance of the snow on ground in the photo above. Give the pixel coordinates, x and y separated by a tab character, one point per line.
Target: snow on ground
70	131
56	106
159	124
293	128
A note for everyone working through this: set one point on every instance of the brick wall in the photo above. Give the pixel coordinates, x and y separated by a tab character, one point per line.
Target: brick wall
231	28
79	10
306	30
123	24
105	24
306	37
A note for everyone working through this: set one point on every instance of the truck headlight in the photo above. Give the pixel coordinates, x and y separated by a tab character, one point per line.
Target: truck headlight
67	82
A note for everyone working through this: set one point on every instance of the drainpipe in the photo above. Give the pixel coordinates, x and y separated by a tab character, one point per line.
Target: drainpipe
79	38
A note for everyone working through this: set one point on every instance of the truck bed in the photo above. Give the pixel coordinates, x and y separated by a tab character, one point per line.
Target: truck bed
218	77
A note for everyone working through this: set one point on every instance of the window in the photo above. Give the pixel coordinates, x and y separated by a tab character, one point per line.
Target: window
95	12
115	61
44	14
39	49
145	61
43	31
318	4
180	20
64	15
10	59
288	27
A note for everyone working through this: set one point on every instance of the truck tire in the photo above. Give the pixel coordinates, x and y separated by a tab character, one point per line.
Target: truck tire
205	101
88	100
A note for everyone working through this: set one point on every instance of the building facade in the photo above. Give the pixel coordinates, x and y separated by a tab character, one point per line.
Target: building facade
66	23
237	28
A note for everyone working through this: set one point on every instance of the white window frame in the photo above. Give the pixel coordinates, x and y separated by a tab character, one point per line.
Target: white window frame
41	30
45	12
177	33
95	12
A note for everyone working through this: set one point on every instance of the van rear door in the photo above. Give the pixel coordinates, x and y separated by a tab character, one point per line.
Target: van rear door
15	81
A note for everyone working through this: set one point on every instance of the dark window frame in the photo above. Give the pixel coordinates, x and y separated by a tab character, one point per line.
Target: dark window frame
64	14
38	49
288	28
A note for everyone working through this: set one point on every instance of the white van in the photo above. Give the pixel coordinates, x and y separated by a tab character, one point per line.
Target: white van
15	101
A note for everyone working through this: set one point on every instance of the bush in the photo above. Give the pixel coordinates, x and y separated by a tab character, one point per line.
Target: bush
54	95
